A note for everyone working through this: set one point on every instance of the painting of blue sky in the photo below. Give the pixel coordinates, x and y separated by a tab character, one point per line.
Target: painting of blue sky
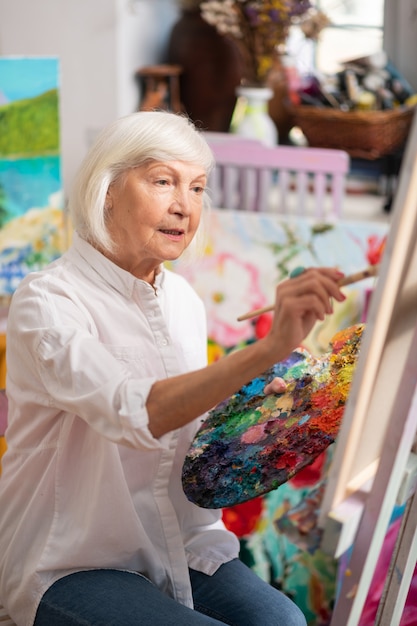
18	80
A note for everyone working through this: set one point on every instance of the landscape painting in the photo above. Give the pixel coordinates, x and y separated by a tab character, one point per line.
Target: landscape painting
32	231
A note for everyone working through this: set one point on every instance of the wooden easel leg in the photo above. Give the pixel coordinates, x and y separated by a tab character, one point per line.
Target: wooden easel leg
402	566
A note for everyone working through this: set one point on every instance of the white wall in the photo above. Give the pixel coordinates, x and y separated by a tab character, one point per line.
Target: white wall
143	30
400	36
100	43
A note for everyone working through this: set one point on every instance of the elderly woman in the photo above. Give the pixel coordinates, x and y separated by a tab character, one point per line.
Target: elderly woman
107	385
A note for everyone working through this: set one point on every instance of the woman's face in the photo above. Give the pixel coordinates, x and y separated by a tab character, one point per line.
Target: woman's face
154	213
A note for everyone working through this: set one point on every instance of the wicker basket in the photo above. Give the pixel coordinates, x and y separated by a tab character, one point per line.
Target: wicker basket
363	134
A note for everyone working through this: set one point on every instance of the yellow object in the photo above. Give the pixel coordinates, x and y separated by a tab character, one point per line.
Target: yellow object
411	101
366	101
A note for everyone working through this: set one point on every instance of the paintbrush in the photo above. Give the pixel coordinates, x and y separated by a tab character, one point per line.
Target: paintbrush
346	280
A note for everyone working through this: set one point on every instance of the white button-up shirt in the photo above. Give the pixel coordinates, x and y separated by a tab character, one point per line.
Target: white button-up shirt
84	483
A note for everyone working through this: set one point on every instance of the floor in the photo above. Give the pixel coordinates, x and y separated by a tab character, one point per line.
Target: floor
365	200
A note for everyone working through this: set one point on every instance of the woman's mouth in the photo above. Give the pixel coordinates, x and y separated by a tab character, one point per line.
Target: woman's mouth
172	233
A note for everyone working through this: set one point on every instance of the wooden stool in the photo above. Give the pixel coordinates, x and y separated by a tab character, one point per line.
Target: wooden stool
161	89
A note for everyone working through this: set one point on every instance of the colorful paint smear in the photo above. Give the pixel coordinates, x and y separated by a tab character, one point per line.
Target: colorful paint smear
252	443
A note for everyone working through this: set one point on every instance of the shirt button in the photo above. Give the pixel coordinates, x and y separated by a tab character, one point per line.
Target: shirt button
164	342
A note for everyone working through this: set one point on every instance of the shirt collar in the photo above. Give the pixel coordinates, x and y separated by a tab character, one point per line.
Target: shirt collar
118	278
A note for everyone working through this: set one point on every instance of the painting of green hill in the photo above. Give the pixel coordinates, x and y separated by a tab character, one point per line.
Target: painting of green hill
30	127
32	224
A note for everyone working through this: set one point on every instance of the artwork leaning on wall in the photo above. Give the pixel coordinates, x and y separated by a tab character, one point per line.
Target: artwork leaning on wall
32	224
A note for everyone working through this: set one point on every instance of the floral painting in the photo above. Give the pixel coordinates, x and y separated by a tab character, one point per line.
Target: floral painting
31	218
245	255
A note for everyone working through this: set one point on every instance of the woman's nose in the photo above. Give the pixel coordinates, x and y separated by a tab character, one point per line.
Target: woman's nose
182	202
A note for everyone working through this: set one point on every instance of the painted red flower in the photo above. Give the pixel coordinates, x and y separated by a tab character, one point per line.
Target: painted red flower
242	519
263	325
376	246
311	474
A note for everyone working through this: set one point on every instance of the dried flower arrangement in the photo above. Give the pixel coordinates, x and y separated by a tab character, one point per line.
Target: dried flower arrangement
259	27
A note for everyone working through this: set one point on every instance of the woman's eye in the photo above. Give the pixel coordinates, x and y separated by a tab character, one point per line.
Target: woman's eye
198	189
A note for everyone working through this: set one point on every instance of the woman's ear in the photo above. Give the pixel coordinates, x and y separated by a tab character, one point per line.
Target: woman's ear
108	203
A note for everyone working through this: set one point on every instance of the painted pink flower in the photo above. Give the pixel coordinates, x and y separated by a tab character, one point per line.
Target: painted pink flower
235	287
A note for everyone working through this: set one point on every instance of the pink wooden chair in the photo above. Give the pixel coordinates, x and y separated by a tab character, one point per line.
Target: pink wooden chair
287	179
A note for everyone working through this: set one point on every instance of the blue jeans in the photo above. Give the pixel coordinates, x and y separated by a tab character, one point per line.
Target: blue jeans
234	595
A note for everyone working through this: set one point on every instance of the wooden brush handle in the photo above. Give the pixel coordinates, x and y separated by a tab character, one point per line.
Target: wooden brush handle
370	271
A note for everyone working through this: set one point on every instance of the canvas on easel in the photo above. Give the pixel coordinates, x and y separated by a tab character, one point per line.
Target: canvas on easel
380	421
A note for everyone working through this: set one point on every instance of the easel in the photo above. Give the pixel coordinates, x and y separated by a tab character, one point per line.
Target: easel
402	567
373	466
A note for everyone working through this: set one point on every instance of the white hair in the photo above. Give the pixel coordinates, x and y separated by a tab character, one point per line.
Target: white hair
126	143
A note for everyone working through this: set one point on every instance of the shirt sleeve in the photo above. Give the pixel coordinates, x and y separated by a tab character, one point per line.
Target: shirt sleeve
80	376
59	360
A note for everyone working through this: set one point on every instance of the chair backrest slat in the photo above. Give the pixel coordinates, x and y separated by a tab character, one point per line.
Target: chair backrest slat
317	173
319	193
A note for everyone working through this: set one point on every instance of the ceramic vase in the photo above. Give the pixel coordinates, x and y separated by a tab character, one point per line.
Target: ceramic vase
252	119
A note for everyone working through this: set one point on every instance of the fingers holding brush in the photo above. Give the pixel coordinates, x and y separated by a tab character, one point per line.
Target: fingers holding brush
331	273
323	283
307	296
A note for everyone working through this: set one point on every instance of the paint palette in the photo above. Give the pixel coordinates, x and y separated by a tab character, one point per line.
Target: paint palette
252	443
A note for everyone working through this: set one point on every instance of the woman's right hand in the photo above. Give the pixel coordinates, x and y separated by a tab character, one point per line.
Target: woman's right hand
299	303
